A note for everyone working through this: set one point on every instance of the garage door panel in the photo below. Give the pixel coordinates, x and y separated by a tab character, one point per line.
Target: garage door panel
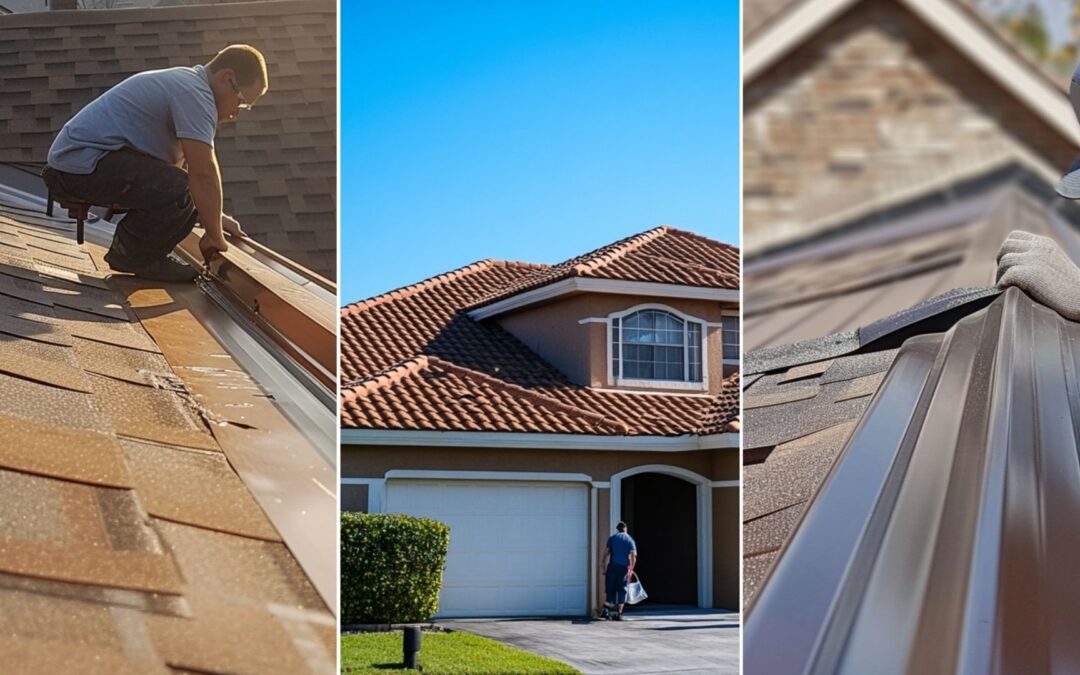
516	548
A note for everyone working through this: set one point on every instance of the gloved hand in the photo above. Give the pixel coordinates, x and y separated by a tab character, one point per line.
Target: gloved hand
1037	266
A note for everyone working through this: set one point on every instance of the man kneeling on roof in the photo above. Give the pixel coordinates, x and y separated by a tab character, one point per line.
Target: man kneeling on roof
126	150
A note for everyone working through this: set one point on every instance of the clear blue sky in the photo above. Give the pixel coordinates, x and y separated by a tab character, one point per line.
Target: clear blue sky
530	131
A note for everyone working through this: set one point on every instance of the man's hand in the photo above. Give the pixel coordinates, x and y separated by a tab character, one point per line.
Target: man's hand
1039	267
231	227
210	245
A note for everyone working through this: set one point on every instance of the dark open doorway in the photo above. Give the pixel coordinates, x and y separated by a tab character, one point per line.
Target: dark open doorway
661	513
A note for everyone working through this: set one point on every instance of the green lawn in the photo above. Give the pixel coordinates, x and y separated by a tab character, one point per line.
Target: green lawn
442	654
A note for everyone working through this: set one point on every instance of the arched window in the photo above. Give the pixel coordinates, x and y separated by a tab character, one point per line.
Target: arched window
657	345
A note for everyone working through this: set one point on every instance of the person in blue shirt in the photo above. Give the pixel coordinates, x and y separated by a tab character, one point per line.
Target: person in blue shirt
620	556
146	146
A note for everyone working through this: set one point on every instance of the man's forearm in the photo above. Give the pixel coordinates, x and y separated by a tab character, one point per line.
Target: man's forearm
206	191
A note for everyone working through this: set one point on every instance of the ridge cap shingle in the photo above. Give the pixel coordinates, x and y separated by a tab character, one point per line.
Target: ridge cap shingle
354	308
617	250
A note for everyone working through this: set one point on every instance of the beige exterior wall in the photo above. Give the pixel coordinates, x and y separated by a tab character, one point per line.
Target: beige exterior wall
716	465
600	465
581	351
874	105
726	562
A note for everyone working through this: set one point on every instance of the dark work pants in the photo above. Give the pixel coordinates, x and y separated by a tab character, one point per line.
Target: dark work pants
615	583
155	194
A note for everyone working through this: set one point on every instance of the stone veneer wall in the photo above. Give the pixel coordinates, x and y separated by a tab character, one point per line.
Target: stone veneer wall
875	104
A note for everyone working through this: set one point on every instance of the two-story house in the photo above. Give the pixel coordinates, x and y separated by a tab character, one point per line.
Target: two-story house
531	407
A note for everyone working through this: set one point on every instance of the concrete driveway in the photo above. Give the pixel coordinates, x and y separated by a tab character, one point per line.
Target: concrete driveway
683	642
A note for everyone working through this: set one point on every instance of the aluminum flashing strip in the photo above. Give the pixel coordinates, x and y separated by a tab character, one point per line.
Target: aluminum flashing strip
944	539
879	334
298	320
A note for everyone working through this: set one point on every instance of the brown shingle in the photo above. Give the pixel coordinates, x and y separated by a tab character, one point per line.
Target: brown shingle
108	542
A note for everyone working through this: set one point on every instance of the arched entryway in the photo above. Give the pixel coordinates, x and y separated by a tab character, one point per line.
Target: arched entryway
668	512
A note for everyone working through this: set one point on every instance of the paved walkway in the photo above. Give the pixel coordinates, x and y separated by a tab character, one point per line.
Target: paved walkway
668	642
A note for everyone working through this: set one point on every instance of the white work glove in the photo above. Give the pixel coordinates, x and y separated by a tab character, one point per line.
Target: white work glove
1037	266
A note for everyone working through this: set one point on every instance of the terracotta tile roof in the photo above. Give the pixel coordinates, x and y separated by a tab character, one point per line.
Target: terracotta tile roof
278	161
414	359
130	545
662	255
427	393
723	413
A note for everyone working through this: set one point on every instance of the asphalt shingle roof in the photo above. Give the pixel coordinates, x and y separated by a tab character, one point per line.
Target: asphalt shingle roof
129	543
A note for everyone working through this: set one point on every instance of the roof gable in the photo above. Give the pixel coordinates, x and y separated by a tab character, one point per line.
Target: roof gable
958	24
663	255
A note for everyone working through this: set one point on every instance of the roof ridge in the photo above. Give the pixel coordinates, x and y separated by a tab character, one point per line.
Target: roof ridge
693	265
701	237
618	249
432	282
361	387
529	394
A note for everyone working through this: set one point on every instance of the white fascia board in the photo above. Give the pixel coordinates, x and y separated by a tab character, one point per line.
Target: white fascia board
995	59
719	441
485	439
788	32
582	285
946	18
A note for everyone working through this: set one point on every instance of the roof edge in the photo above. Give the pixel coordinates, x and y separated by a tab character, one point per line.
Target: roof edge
525	440
141	14
432	282
926	316
578	284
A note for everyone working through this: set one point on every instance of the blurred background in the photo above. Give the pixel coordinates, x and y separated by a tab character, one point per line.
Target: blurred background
888	148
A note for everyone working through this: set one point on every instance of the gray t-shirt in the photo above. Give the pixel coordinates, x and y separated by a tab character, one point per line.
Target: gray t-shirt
621	544
149	111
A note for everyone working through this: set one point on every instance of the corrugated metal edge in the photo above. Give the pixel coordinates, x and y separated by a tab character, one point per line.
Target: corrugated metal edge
943	539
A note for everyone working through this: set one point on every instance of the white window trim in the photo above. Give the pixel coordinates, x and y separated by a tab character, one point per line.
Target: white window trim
658	384
730	362
375	488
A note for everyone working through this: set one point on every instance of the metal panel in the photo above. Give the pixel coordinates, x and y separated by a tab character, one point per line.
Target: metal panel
944	538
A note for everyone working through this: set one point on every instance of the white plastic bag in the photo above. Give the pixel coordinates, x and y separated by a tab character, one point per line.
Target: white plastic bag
635	592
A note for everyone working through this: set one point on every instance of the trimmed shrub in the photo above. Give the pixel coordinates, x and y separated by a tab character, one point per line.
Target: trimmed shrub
391	567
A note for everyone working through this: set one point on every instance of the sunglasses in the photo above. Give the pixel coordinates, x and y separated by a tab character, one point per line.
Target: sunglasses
244	105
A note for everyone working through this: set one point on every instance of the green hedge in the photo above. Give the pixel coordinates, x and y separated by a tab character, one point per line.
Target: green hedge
391	567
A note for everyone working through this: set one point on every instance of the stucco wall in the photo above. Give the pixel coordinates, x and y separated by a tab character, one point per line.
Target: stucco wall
580	351
726	561
374	461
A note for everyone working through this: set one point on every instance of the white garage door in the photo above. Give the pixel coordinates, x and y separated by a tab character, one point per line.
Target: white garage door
516	548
